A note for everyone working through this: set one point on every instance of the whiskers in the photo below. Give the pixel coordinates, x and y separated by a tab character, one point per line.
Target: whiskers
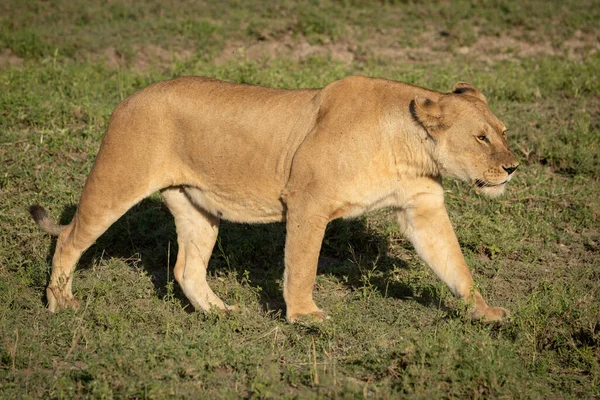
481	183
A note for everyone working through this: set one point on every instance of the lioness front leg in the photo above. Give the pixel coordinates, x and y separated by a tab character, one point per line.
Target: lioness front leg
427	226
304	234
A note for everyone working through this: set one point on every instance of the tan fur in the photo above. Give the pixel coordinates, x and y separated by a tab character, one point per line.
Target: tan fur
250	154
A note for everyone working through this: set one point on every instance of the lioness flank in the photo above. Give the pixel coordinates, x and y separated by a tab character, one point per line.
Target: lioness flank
218	150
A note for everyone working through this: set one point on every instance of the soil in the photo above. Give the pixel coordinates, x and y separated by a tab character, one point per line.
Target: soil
433	46
7	58
295	49
146	57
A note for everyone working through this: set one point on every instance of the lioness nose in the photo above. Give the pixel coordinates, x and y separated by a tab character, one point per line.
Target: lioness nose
510	169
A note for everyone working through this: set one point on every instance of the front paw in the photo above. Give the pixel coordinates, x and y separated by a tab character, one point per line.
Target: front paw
311	317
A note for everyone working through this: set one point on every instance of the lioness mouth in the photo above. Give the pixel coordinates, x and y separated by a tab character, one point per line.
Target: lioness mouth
481	183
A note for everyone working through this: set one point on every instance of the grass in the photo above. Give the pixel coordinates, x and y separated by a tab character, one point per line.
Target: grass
395	329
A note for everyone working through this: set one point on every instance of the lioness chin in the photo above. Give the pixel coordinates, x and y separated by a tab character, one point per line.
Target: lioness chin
219	150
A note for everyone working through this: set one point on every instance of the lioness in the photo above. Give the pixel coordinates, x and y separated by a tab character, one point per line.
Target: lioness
219	150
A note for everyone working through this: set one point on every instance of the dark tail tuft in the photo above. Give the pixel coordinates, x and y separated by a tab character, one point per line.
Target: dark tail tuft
41	217
38	213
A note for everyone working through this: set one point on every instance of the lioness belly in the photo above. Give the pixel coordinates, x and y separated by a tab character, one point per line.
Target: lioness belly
250	209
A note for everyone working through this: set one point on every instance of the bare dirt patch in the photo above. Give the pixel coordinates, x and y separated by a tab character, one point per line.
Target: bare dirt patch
112	58
286	47
8	59
145	57
495	48
429	46
152	56
438	46
581	44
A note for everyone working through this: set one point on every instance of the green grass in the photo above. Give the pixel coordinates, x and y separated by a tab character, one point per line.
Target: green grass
395	330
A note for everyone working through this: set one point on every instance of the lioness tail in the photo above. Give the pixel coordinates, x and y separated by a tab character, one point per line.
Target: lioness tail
41	217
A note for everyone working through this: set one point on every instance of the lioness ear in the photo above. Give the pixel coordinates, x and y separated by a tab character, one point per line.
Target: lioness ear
467	88
427	112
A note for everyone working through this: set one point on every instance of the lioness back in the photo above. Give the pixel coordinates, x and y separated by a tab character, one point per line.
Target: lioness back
224	141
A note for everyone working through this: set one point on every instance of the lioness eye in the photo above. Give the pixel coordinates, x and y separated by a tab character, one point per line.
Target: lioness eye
483	138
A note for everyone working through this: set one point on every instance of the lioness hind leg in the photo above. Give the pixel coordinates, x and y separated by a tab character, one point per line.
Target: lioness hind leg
59	291
91	220
196	236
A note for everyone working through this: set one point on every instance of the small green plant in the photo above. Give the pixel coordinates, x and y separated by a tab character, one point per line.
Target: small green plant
316	24
25	43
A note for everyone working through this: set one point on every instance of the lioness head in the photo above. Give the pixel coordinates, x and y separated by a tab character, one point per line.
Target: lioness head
470	141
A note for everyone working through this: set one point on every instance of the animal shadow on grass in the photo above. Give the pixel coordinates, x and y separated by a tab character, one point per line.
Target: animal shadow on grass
146	233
